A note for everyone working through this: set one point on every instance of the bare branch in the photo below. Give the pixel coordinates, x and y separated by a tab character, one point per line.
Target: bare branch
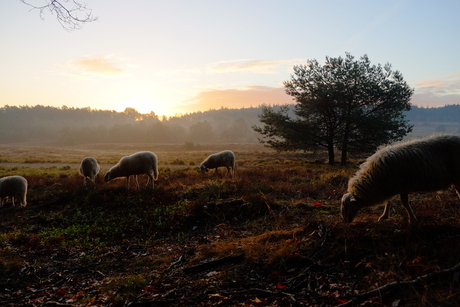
435	276
72	15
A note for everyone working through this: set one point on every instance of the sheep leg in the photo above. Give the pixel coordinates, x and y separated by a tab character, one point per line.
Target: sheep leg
150	179
386	211
137	182
405	202
457	188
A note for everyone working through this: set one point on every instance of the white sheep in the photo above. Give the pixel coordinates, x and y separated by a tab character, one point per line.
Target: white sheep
14	187
428	164
145	162
89	168
224	158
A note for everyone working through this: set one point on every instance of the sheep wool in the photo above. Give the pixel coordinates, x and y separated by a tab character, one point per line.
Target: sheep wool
14	187
89	168
224	158
144	162
427	164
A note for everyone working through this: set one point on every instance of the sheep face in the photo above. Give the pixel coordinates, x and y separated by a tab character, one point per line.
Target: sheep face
203	168
349	207
107	177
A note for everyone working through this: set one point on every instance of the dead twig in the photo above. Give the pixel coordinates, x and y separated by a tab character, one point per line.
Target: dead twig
401	284
215	263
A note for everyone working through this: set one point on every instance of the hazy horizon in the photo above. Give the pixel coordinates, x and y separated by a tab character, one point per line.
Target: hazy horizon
178	57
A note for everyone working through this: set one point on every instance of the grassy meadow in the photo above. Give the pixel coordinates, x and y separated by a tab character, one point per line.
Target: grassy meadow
271	236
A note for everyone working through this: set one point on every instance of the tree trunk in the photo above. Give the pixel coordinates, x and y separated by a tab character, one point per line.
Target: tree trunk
343	159
346	134
330	150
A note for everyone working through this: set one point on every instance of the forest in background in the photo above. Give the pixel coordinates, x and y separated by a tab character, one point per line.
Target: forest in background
46	125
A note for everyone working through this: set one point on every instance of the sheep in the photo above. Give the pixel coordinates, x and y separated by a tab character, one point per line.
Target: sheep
14	187
428	164
224	158
89	168
144	162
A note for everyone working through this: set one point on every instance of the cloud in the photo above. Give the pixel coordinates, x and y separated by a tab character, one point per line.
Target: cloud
434	100
253	66
102	66
236	98
437	92
446	85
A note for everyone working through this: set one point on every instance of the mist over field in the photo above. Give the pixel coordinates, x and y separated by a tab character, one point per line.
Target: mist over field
44	125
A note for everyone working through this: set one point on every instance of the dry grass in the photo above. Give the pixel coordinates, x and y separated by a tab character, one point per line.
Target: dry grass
280	211
111	153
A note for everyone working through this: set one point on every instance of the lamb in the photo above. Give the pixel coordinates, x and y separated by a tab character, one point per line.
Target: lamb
14	187
144	162
428	164
224	158
89	168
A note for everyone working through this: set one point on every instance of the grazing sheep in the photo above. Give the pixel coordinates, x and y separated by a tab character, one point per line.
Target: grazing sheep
89	168
14	187
428	164
224	158
145	162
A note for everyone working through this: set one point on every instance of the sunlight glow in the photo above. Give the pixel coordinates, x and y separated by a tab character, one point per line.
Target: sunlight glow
145	105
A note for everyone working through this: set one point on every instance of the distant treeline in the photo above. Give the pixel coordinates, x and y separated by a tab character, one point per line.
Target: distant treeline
446	114
70	126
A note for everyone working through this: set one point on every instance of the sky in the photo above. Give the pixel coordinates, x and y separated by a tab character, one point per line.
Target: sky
180	56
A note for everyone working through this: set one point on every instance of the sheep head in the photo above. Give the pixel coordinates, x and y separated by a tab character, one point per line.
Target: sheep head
349	207
107	177
203	168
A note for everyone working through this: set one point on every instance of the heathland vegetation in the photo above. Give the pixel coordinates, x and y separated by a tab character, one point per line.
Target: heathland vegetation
271	236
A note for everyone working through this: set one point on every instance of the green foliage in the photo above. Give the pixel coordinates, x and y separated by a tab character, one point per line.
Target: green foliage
345	104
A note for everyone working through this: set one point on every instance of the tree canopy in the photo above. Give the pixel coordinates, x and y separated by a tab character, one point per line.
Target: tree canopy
345	104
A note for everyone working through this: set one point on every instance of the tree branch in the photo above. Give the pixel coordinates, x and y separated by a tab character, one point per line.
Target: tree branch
68	15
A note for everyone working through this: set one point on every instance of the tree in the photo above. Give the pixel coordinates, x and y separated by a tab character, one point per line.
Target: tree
72	15
201	132
345	104
238	132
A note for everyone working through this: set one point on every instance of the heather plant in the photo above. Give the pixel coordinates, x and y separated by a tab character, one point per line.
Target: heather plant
110	244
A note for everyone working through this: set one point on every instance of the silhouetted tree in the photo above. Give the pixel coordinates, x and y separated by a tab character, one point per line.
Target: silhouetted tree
346	104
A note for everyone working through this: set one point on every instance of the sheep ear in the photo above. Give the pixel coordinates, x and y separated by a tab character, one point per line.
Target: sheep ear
348	198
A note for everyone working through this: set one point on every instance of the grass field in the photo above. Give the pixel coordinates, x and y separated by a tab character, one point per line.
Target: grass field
271	236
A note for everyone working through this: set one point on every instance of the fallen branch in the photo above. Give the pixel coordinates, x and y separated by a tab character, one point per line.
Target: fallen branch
401	284
215	263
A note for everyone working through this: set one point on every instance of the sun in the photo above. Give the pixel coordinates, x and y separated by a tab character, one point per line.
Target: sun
145	105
